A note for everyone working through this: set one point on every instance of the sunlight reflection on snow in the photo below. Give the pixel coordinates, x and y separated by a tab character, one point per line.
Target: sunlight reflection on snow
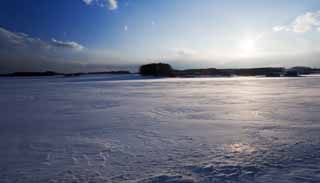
241	148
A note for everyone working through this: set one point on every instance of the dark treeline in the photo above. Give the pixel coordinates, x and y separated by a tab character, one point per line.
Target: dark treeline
228	72
25	74
165	70
97	73
51	73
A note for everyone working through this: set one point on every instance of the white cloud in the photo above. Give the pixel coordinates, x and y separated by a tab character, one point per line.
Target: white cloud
15	40
22	52
88	2
303	23
12	40
280	28
125	28
67	44
306	22
111	4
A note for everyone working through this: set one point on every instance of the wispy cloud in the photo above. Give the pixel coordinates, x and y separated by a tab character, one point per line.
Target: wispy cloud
22	40
22	52
184	52
67	44
88	2
111	4
301	24
281	28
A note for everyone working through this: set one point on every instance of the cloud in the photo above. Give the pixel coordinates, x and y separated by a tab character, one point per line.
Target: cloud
184	52
22	40
88	2
111	4
68	44
306	22
281	28
21	52
125	28
303	23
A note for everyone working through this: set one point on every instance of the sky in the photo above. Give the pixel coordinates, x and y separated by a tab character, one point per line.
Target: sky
100	35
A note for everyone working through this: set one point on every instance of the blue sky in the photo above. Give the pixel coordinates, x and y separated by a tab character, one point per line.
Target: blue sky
108	34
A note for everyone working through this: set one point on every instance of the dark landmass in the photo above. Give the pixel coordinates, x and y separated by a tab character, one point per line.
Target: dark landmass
51	73
306	70
165	70
157	69
228	72
26	74
96	73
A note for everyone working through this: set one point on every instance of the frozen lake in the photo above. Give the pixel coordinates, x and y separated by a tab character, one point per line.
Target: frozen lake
129	129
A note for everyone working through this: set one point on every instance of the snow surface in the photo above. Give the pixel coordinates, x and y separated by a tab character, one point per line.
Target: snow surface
131	129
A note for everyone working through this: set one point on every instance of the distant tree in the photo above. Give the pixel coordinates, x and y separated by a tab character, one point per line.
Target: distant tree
156	69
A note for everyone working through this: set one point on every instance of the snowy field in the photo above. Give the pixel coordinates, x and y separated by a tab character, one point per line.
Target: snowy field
129	129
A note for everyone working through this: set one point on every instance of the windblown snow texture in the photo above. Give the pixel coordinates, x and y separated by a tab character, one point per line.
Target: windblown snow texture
131	129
